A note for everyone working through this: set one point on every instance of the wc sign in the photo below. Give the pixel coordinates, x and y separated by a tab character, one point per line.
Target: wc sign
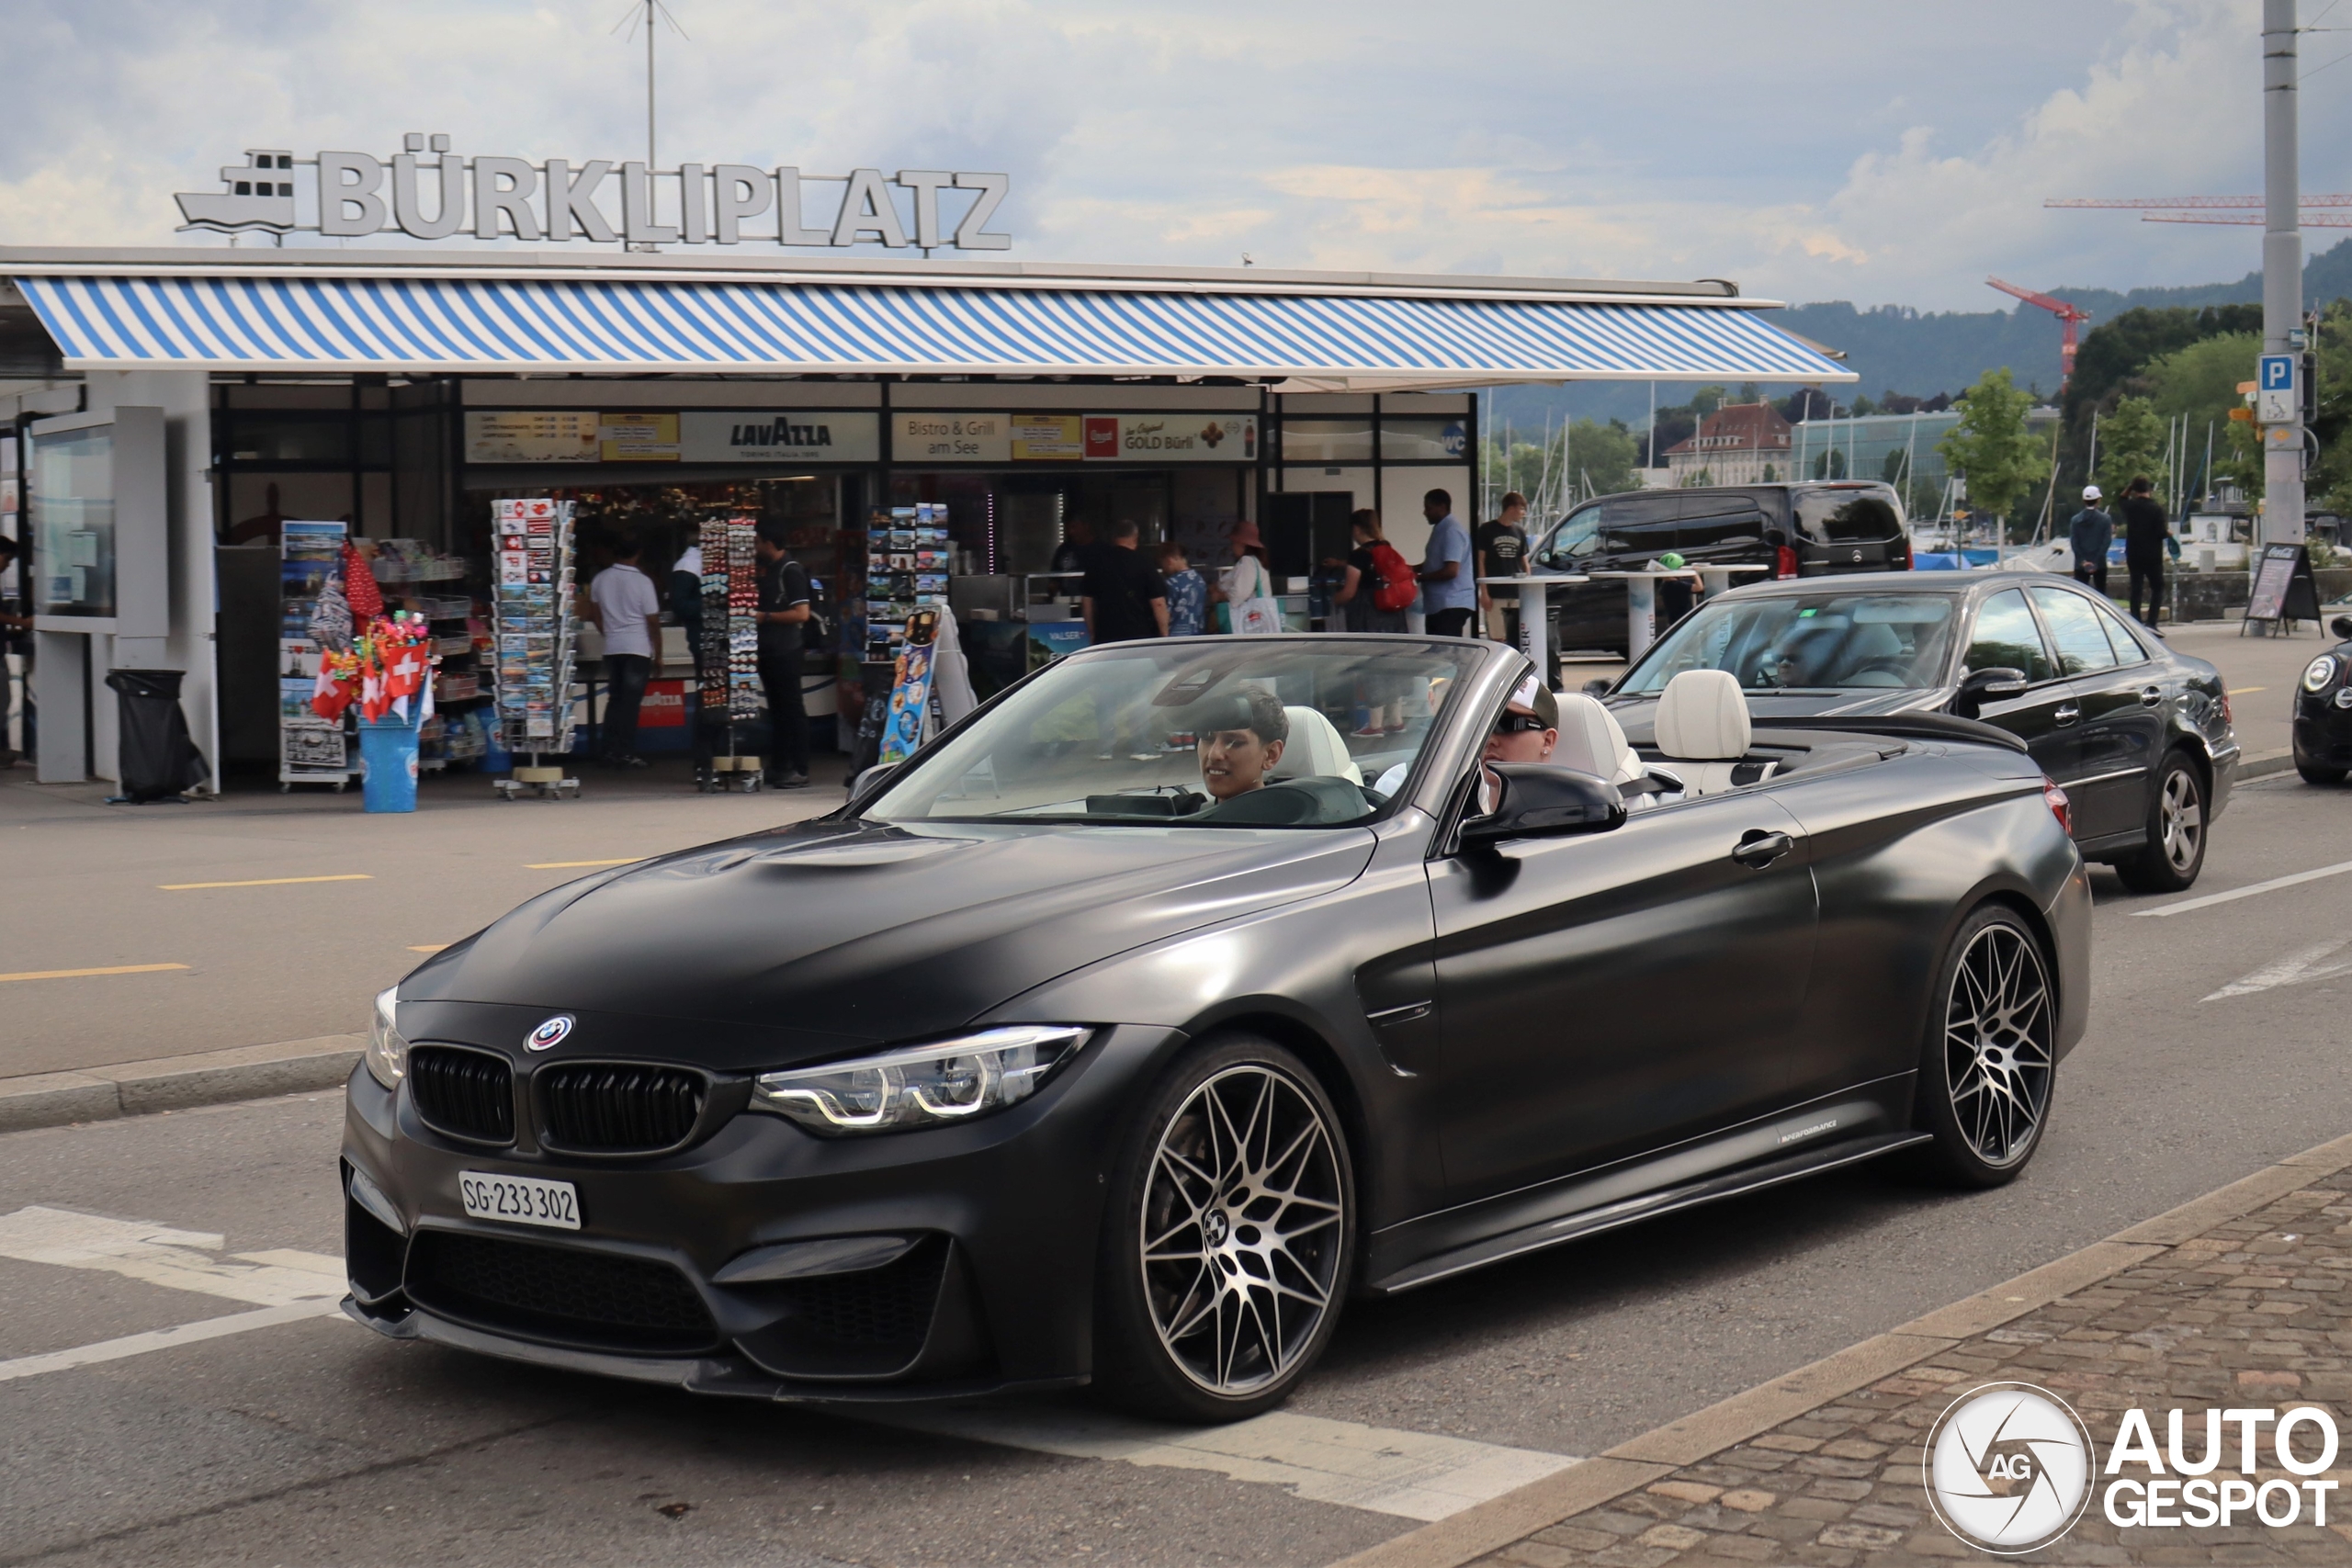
2276	396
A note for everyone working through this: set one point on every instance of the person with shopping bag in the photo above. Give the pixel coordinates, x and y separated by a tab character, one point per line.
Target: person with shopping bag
1249	585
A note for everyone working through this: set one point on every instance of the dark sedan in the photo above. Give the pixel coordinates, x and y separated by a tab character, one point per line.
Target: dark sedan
2139	735
2324	711
1168	1000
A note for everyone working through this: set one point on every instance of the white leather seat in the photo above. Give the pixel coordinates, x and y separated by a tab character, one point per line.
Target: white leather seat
1314	748
1591	741
1702	731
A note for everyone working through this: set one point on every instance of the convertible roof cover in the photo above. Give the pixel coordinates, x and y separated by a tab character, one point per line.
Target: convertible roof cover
431	313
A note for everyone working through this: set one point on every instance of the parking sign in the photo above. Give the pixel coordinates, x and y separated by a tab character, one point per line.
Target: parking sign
2274	398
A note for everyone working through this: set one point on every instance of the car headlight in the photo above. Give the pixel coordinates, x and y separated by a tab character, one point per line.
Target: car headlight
386	1052
921	1085
2319	672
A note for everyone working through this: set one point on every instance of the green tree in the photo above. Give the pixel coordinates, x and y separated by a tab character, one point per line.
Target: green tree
2131	445
2004	465
1603	456
1705	401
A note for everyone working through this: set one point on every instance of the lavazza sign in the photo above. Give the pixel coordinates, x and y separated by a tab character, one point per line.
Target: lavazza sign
428	192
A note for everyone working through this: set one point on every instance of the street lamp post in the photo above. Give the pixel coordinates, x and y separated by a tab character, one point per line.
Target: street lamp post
2282	269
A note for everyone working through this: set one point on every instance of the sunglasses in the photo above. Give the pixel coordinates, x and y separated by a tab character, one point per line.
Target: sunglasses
1520	724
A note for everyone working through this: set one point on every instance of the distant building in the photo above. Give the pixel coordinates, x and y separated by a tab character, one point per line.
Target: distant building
1737	444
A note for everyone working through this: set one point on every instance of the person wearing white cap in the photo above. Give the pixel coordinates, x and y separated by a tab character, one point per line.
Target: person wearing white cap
2090	532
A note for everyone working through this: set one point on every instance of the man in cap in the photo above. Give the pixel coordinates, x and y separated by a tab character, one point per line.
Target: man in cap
1239	741
1528	730
2089	535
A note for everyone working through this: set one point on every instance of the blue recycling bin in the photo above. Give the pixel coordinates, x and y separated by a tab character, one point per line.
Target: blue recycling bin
388	750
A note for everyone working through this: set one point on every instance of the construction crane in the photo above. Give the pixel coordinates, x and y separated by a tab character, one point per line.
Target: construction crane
2070	316
2318	211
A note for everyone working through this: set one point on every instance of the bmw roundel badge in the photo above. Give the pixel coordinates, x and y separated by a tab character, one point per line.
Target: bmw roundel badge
549	1034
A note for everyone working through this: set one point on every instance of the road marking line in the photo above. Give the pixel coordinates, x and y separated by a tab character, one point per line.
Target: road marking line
1415	1475
164	1338
2276	883
81	974
569	865
264	881
174	1259
2242	690
432	947
2292	970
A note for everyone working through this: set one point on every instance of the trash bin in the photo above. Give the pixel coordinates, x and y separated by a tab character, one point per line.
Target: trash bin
157	758
388	751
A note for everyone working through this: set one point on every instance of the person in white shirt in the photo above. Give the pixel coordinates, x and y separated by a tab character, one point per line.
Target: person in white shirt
623	605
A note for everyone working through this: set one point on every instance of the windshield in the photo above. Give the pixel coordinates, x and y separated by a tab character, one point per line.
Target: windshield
1787	642
1572	540
1261	732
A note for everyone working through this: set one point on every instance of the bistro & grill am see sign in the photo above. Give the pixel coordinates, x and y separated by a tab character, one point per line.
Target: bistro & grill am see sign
428	192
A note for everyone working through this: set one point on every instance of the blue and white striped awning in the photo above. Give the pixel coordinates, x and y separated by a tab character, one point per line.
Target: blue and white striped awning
1341	339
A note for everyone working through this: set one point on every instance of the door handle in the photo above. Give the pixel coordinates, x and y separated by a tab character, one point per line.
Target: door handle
1757	848
2068	714
2151	695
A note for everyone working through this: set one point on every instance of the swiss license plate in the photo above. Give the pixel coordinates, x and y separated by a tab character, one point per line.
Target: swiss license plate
520	1200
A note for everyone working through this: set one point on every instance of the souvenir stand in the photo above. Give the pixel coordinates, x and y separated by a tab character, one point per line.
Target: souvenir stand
314	619
908	559
533	631
730	650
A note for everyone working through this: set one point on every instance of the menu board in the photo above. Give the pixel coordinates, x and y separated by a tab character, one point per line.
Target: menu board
532	568
637	437
2283	586
558	436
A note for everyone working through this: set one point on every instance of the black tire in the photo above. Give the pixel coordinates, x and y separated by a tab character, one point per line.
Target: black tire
2313	774
1190	1324
2176	830
1988	1066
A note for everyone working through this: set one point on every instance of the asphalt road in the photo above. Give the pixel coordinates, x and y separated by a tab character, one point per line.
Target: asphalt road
310	1440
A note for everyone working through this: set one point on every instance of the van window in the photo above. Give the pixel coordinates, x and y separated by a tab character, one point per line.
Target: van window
1849	516
1579	533
1712	521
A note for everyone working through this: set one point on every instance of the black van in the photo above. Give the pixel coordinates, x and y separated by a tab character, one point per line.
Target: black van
1809	529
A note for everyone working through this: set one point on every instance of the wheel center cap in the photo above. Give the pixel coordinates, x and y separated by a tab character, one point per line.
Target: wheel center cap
1217	1227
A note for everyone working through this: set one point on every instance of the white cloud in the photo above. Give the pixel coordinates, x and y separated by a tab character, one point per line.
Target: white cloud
1834	150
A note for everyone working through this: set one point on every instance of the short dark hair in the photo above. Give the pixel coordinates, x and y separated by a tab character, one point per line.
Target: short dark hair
2140	483
1252	708
1122	528
1438	498
775	533
1512	498
625	547
1167	552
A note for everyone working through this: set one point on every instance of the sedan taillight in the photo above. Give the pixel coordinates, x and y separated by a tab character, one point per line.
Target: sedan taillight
2059	807
1784	563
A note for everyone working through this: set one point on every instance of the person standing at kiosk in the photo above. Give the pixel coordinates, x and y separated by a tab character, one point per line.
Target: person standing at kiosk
783	618
1502	552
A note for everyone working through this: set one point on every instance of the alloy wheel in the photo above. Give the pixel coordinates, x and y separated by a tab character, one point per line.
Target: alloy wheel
1244	1218
2180	820
1997	1038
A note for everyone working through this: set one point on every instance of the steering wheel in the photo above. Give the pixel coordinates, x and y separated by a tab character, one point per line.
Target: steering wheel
1884	664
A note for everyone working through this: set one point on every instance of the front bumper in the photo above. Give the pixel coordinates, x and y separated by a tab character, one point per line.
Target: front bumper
2322	732
985	1236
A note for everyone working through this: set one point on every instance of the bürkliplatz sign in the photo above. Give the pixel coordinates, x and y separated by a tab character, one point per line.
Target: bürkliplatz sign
426	191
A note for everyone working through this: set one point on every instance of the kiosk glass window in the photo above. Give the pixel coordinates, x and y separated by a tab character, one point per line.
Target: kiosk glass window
1326	440
73	522
1441	440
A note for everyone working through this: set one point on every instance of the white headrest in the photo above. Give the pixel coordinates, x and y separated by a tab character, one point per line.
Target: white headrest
1703	715
1591	742
1314	748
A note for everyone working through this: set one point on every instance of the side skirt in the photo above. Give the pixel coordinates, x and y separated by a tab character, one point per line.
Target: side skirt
1606	1216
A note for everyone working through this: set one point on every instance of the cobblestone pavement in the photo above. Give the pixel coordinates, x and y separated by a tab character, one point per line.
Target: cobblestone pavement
2190	1311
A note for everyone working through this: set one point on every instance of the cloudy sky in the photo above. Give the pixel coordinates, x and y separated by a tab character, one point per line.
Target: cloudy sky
1876	152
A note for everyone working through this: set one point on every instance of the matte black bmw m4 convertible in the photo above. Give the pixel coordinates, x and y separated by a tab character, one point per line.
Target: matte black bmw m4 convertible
1187	988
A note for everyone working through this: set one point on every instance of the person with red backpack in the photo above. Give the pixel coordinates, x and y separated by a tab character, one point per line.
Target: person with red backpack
1373	594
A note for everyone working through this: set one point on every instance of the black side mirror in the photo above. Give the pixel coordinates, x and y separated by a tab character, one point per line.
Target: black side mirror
2342	627
1776	539
1600	688
1541	801
1984	686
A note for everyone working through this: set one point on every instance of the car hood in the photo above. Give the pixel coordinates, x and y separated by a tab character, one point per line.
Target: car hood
1855	702
846	932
